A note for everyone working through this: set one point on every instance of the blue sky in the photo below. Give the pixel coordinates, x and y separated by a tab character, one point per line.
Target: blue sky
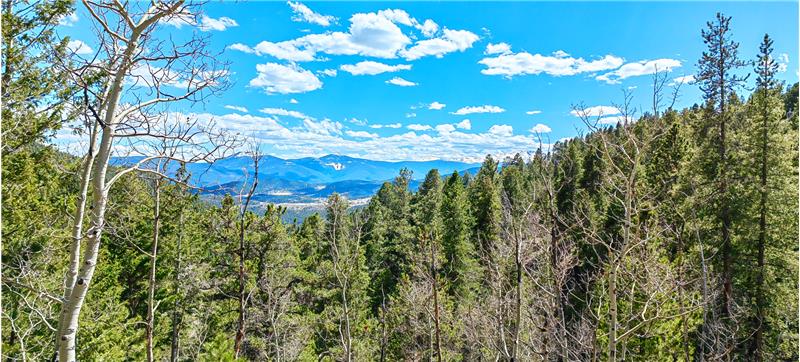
451	80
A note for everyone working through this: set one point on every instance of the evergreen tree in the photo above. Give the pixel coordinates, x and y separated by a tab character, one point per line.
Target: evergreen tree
718	81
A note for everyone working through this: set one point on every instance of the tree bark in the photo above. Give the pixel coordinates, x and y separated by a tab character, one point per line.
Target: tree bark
176	311
151	281
435	303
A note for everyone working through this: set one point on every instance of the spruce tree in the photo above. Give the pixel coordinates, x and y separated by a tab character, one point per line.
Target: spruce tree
718	81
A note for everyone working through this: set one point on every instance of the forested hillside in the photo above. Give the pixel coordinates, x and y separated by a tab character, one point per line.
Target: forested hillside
670	236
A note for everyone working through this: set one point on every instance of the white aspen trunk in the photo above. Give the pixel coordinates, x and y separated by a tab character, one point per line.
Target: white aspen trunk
68	327
77	228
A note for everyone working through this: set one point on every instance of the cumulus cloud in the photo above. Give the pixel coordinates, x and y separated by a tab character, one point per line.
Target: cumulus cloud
242	48
436	106
478	109
79	47
204	23
596	111
644	67
283	112
323	127
450	41
401	82
237	108
326	137
68	20
221	24
361	134
370	34
465	124
613	119
501	130
303	13
293	101
499	48
369	67
445	128
418	127
285	79
558	64
428	27
533	112
391	125
411	115
687	79
540	128
375	34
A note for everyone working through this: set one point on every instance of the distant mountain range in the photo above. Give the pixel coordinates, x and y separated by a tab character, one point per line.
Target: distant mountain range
305	182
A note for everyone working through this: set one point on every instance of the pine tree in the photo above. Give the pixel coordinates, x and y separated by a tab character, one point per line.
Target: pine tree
718	81
461	267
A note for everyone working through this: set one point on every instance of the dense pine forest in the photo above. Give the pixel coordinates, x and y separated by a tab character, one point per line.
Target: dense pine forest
670	236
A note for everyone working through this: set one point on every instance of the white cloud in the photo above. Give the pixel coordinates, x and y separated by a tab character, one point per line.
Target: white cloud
391	125
361	134
644	67
436	106
375	34
323	127
687	79
450	41
320	138
783	62
401	82
283	112
68	20
479	109
428	28
533	112
370	34
445	128
357	121
540	128
557	64
465	124
411	115
284	51
304	13
205	23
237	108
418	127
328	72
79	47
613	119
221	24
499	48
293	101
372	68
277	78
242	48
501	130
596	111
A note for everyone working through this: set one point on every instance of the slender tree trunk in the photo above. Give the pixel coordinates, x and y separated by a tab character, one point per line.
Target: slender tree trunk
72	306
151	281
240	324
77	228
435	303
176	312
518	296
612	312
